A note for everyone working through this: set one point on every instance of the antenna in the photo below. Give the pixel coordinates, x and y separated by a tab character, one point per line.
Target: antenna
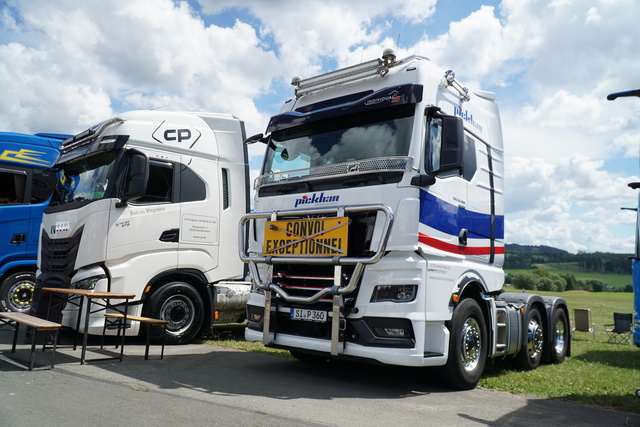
397	43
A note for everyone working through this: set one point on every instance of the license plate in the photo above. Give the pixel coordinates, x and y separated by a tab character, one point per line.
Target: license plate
308	315
307	237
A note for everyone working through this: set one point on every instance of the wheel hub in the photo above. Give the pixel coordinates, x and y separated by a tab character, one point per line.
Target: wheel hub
471	344
559	343
535	339
178	313
21	295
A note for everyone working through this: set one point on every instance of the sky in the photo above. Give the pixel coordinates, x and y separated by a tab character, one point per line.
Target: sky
569	153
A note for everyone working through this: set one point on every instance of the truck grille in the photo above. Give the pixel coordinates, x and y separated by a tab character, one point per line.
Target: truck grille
58	256
305	280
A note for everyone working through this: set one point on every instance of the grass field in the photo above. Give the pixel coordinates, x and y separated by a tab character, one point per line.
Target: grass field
597	373
614	280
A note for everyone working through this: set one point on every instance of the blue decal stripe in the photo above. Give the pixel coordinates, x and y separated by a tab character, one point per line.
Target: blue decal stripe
450	219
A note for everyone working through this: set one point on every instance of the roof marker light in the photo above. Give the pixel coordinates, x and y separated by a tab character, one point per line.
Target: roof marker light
376	67
449	79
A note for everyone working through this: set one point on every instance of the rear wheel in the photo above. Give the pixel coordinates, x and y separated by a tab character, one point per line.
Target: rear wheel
181	305
559	337
530	353
16	292
467	346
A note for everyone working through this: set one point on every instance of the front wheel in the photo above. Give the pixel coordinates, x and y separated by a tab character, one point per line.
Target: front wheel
181	305
530	353
467	346
16	292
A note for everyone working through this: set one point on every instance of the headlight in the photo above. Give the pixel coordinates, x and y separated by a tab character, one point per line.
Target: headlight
394	293
89	283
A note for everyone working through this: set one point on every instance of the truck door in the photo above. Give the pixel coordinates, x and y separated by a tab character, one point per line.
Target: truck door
444	219
14	219
149	226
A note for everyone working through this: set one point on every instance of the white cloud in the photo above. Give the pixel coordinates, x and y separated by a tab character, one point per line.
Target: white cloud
143	54
66	65
306	33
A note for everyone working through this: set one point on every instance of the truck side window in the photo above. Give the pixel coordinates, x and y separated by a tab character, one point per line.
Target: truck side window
12	187
160	184
469	164
42	186
192	187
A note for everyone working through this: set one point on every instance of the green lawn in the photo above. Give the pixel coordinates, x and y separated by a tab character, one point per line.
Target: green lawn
614	280
597	373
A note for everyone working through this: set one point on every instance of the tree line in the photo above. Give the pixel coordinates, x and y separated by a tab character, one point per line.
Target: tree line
597	262
544	280
526	257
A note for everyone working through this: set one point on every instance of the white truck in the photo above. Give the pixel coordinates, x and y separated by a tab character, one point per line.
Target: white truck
378	230
148	203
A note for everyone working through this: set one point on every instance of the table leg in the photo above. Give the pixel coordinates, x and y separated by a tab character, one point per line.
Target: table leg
75	338
86	331
124	328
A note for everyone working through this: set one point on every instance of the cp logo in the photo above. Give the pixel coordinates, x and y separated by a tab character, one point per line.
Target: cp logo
177	135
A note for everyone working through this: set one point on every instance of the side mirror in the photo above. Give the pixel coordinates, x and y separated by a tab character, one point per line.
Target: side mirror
255	138
445	144
136	178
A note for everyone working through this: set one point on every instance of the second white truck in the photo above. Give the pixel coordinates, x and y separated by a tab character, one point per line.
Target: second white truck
378	231
148	203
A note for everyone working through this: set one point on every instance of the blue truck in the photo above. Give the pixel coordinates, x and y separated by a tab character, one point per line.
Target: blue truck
25	190
635	260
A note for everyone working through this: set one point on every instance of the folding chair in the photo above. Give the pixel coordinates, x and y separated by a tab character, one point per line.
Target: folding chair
621	331
582	321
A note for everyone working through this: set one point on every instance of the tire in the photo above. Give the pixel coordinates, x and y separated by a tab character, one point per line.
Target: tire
181	305
308	357
16	292
559	337
467	346
530	354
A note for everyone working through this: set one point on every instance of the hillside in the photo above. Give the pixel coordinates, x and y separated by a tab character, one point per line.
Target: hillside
548	268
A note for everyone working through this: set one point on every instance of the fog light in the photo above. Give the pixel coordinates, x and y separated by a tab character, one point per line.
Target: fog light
394	293
391	332
255	317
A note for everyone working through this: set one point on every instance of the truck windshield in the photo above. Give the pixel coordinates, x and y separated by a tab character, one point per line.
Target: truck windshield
380	133
85	179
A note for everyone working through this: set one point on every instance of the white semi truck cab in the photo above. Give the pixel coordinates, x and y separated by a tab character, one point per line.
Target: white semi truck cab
378	229
147	203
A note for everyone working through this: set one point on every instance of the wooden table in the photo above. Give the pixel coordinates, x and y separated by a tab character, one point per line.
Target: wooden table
94	297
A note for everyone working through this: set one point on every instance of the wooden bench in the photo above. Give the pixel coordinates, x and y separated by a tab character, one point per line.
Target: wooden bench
147	320
15	319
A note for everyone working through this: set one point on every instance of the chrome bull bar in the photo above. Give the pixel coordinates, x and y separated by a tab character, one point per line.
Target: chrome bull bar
337	290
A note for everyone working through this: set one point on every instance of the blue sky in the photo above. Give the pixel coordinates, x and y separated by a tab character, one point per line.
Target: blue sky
66	65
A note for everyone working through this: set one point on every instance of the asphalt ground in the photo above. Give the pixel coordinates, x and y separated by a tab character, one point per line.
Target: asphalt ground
202	385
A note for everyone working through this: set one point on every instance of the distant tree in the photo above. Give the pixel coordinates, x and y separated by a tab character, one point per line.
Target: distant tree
572	283
548	281
545	284
524	280
596	285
